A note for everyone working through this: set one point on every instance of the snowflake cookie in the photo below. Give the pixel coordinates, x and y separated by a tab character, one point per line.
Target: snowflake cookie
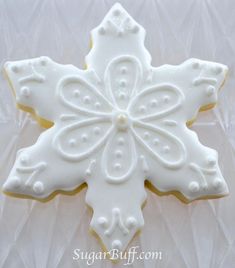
115	125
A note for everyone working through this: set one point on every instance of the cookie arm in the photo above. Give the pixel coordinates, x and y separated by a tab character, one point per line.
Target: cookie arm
198	80
39	170
199	176
34	83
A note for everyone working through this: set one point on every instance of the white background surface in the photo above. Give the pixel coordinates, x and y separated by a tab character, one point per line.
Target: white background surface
40	235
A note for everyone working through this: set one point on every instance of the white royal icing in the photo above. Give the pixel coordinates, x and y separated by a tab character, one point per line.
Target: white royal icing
116	124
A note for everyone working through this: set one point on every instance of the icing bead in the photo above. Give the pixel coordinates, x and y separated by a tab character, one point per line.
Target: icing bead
102	221
156	141
146	135
122	96
87	99
121	141
118	154
122	83
38	187
142	109
25	91
76	93
217	183
15	182
97	105
72	142
217	69
211	161
166	99
153	103
43	61
135	29
166	149
84	138
97	131
131	222
24	159
117	166
123	70
102	30
194	187
210	91
195	65
15	69
117	244
116	12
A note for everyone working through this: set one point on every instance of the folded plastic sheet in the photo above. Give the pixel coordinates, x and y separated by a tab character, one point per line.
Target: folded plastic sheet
199	234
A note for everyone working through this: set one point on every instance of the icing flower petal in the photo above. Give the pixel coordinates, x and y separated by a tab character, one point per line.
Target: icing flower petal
80	96
79	140
122	76
119	157
167	148
156	102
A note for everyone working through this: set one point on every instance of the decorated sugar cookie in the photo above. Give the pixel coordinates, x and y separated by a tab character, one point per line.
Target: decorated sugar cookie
115	125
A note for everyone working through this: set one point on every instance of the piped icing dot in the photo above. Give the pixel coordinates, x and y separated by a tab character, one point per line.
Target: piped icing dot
15	182
217	183
25	91
121	121
84	138
72	142
121	141
24	159
116	211
135	29
146	135
210	91
76	93
38	187
211	161
102	30
102	221
122	83
116	12
166	149
116	244
122	96
15	68
156	141
117	166
153	103
166	99
87	99
131	222
97	130
123	70
195	65
217	69
142	109
43	60
97	105
194	187
118	154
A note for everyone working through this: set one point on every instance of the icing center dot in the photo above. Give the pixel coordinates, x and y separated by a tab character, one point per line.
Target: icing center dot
121	121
